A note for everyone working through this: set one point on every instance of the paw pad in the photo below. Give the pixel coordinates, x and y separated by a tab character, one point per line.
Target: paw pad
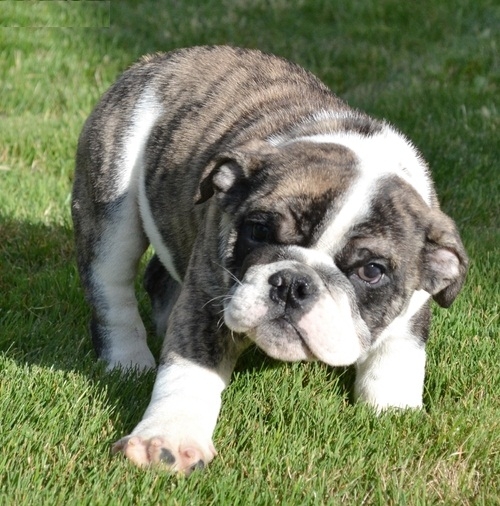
159	451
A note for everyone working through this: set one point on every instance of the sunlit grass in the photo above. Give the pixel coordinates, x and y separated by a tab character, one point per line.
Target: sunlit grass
288	433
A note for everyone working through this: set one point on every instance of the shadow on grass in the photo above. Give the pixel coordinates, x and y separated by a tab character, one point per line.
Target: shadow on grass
43	315
44	318
42	307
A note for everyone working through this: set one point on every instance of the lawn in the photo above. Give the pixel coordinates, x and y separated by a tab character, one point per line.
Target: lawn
288	433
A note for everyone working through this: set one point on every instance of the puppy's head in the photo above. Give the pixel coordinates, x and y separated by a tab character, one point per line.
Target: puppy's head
331	241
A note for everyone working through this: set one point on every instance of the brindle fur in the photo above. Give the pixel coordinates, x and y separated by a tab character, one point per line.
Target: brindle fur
208	164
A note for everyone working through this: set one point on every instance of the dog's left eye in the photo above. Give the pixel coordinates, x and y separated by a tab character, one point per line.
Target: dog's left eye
371	273
260	232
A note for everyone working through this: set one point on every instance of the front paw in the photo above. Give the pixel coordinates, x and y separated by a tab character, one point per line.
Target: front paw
183	457
136	359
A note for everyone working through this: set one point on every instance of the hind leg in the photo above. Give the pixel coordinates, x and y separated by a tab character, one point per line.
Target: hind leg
110	239
163	292
110	242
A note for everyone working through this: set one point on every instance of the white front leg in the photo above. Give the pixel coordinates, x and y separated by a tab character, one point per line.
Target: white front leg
178	424
391	373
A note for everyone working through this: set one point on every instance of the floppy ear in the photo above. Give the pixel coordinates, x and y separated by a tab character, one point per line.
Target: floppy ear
219	177
227	176
445	260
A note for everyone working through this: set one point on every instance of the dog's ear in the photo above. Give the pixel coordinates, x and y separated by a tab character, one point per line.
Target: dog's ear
445	260
227	176
222	175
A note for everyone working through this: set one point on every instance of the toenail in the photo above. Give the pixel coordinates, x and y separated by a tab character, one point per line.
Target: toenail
166	456
199	465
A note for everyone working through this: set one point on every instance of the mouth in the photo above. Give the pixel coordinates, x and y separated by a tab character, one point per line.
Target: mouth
286	321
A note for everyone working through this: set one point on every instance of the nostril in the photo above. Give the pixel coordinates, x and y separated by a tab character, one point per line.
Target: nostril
301	289
290	288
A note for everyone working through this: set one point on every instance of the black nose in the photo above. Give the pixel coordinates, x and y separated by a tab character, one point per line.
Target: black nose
291	288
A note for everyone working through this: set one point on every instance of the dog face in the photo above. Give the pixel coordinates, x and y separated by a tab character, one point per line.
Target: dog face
328	246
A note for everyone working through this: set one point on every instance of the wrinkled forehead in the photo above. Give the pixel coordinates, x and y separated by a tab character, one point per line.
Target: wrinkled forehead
306	170
388	208
380	179
368	157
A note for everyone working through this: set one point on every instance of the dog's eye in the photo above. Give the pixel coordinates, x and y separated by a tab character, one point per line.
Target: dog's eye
371	273
260	232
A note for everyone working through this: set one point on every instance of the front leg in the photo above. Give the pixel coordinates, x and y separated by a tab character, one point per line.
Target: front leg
391	373
198	358
178	424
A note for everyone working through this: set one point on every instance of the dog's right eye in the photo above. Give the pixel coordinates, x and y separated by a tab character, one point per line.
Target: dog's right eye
253	234
260	232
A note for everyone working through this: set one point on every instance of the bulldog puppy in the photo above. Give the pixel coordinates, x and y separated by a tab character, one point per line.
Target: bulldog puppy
278	216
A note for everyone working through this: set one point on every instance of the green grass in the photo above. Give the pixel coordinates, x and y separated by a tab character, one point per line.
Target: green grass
288	433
